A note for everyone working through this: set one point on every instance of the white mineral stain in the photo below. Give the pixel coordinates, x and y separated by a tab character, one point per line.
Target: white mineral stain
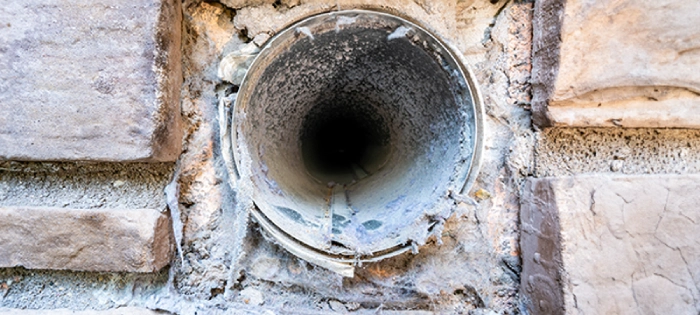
399	32
306	31
344	20
234	66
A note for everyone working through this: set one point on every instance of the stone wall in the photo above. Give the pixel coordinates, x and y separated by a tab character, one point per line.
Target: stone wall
611	244
624	63
115	196
608	220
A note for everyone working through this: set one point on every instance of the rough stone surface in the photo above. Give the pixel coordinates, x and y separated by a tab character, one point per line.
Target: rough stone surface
136	240
616	63
22	288
472	267
117	311
81	185
570	151
628	243
90	80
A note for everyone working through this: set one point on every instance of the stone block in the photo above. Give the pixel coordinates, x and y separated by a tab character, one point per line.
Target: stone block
132	240
626	63
90	80
116	311
611	244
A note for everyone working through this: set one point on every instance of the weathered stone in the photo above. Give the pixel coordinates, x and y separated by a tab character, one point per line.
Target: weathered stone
621	244
116	311
90	80
616	63
133	240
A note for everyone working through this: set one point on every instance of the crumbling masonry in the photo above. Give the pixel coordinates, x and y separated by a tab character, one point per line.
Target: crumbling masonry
517	157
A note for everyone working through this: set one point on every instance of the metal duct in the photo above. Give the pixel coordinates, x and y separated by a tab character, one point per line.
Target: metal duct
350	130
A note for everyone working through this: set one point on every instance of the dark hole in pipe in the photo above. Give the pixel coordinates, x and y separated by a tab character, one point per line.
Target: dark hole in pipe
342	143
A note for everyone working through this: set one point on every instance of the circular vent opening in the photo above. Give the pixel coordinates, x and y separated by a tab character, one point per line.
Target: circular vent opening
351	129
